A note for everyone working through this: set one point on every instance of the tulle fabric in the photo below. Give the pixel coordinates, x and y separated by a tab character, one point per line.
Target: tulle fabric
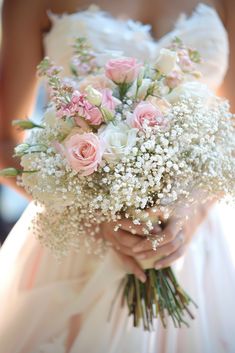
39	296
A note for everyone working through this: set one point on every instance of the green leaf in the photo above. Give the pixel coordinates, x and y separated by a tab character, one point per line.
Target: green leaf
73	70
37	148
10	172
25	148
123	88
177	40
107	114
26	124
21	149
13	172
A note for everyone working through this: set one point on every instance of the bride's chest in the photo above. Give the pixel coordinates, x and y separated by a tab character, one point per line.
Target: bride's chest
202	30
161	15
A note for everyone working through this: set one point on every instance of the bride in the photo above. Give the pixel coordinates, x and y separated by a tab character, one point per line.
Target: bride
51	307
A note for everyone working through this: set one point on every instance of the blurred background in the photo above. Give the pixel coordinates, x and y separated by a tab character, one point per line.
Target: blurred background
13	204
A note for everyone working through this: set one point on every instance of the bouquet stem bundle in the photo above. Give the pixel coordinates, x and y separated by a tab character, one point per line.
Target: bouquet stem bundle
160	296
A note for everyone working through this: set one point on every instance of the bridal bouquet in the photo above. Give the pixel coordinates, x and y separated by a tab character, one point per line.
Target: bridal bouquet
118	140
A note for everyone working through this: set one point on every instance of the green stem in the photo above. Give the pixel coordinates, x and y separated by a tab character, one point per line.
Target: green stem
160	296
173	309
123	88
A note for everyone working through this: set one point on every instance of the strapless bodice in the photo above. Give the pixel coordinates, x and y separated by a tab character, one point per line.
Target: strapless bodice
203	30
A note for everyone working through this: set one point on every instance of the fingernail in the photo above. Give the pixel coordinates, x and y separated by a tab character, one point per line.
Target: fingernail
157	266
142	278
156	229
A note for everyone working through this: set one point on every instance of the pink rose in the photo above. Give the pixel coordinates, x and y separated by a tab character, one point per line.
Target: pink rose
146	113
122	70
84	153
108	101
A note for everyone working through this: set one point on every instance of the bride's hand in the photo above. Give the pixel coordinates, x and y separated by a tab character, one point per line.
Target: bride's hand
177	234
130	245
123	241
170	249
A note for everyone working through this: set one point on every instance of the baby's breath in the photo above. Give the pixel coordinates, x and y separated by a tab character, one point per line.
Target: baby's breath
161	170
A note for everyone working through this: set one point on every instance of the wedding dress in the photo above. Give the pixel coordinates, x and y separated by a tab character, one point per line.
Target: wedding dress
38	295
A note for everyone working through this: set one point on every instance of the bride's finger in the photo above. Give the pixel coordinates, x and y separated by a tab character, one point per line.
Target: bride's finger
168	260
164	250
142	245
119	247
126	239
120	236
140	229
168	235
133	267
121	241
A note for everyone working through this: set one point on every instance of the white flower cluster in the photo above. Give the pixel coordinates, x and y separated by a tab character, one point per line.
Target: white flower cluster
154	167
121	138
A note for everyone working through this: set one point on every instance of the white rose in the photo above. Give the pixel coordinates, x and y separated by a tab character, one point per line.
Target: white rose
166	61
194	89
93	96
118	140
